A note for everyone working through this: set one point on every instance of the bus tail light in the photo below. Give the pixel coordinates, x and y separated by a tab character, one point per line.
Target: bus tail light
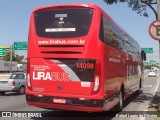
28	75
97	77
28	80
96	83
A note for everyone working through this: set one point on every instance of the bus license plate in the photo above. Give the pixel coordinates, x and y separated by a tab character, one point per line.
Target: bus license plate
56	100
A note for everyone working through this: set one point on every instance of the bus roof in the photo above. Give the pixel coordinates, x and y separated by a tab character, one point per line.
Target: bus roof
93	6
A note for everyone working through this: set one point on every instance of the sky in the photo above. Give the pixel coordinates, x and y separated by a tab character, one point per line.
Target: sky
15	16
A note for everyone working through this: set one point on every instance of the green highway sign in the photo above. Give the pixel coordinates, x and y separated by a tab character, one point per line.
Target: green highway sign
20	45
152	61
148	50
2	51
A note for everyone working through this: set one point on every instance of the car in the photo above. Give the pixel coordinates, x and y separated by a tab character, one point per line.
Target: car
152	73
15	83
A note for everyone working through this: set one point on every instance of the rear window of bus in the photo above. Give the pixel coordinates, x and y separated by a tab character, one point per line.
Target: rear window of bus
65	23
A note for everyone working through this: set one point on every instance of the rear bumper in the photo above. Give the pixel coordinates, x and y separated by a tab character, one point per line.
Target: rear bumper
77	104
7	88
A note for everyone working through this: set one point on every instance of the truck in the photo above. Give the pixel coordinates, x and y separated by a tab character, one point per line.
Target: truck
5	66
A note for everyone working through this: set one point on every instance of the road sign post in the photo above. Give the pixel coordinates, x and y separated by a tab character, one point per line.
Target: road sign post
11	59
20	45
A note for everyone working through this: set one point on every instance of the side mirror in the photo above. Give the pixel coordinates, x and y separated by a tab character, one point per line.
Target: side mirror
143	55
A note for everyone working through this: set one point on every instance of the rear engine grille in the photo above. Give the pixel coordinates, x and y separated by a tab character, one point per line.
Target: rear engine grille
61	49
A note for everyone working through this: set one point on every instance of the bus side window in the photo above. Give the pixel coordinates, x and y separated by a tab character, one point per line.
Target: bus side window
121	45
101	31
108	33
105	31
114	42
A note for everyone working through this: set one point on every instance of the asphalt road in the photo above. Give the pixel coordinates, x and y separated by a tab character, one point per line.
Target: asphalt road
139	106
140	102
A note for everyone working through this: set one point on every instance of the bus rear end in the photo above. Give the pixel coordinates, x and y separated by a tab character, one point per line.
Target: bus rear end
64	69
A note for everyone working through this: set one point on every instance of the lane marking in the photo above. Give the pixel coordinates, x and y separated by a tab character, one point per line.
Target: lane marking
147	85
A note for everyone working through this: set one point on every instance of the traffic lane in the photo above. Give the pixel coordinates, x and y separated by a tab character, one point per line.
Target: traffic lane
154	103
15	102
147	72
149	87
150	82
140	102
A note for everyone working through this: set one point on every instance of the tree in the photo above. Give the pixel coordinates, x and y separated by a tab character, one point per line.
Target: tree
139	6
14	57
19	58
7	56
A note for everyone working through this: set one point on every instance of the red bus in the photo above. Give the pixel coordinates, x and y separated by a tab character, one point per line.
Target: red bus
80	59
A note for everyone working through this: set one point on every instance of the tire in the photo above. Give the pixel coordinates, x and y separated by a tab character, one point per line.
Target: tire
2	92
21	90
121	100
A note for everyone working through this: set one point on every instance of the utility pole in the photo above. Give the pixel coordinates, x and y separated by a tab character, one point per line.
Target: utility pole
11	59
158	12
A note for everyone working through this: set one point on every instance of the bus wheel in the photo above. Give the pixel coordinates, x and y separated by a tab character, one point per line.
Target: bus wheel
121	100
